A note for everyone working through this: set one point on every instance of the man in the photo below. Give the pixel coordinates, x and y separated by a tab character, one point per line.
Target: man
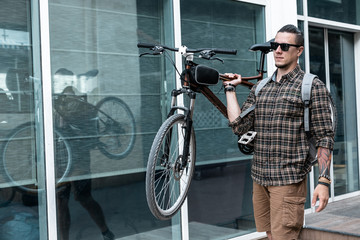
280	164
75	119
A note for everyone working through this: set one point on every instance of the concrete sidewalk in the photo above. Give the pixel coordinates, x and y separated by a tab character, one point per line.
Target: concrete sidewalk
342	217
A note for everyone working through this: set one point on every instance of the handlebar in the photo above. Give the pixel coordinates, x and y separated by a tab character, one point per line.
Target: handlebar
208	53
189	50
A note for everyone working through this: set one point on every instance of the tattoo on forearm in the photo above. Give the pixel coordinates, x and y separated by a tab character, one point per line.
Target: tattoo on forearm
324	159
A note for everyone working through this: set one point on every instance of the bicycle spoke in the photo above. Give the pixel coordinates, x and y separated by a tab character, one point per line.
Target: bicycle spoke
170	193
165	188
162	193
158	181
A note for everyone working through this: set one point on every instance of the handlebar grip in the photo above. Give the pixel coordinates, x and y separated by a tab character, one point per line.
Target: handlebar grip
225	51
145	45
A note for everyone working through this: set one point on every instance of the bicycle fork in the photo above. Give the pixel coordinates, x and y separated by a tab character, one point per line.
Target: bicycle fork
182	162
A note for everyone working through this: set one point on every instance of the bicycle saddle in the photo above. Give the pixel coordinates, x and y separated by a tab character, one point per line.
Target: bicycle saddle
263	47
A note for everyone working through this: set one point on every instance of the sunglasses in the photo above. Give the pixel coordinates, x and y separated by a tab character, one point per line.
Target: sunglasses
284	46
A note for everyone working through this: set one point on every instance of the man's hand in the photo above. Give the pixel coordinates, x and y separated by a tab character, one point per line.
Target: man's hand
321	192
236	79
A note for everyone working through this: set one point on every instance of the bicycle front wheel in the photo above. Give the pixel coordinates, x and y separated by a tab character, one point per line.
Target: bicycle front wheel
167	182
20	161
116	128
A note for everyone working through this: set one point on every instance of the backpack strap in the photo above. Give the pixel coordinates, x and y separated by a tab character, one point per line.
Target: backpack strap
306	96
261	84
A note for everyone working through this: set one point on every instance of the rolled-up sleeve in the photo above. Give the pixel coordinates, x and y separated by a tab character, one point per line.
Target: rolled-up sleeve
321	116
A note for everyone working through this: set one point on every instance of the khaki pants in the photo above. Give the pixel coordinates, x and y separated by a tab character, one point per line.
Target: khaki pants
280	209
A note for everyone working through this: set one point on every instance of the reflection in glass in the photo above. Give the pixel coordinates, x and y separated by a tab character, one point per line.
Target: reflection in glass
22	194
346	11
300	8
342	87
108	104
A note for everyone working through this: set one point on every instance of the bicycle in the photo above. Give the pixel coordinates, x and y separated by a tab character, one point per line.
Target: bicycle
108	126
172	155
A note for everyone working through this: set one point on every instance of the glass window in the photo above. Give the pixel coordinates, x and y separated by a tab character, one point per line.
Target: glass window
346	11
220	194
302	56
342	89
108	106
300	7
22	195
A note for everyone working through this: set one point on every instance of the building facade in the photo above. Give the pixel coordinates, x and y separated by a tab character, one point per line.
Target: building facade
68	68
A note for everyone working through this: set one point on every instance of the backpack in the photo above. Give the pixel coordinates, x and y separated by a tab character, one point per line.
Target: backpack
306	97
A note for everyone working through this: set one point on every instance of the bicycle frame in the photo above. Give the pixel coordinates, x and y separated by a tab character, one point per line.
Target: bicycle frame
205	90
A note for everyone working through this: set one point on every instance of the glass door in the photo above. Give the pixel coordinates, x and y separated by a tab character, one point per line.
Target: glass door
22	185
332	59
219	199
108	105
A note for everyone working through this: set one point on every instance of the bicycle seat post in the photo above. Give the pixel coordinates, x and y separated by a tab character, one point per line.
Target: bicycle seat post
261	67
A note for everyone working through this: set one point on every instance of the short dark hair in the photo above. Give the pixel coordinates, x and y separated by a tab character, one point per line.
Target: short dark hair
299	39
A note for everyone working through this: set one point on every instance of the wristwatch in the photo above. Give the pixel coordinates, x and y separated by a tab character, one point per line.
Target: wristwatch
229	88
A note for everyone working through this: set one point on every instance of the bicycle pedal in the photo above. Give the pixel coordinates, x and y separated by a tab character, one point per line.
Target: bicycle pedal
247	137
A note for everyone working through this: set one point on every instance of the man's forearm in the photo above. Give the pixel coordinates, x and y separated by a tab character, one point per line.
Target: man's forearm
233	108
324	161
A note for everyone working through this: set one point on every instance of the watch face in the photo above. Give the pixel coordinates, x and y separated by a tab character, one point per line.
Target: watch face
229	89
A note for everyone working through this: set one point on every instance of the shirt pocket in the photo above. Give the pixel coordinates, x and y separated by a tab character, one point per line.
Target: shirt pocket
291	105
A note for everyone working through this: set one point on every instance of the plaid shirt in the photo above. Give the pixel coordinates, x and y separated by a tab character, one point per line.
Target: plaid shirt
281	147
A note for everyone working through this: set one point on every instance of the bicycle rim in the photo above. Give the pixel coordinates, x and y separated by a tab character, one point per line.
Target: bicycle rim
62	152
166	183
116	128
19	158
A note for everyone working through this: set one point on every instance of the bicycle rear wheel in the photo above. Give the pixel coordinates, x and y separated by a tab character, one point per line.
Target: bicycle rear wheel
116	128
19	158
167	183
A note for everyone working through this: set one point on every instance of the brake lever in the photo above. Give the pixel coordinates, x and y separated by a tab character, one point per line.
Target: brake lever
157	50
222	61
209	55
145	54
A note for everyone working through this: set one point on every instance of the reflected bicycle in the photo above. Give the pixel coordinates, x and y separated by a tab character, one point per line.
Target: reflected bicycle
109	125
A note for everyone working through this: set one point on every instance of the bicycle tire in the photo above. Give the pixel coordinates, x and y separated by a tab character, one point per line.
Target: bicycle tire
21	172
116	128
166	185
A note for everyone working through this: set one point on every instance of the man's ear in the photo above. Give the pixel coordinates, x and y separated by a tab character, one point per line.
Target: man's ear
300	50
